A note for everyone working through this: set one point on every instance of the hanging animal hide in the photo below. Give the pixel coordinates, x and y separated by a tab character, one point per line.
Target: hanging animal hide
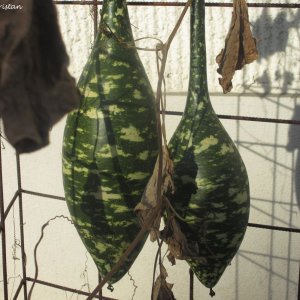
36	89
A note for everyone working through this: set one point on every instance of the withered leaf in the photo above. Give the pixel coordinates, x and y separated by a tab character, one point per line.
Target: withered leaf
240	46
178	245
162	289
150	199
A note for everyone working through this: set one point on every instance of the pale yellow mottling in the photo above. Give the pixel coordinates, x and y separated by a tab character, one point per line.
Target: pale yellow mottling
122	153
94	79
115	109
81	224
108	86
90	93
206	143
144	155
100	247
128	85
115	77
205	184
67	171
193	206
93	113
119	209
200	105
86	146
110	196
194	95
119	11
106	188
120	64
226	149
241	198
81	170
105	152
131	134
137	175
137	94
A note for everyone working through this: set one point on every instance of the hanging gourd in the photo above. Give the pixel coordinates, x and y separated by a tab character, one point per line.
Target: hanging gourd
110	143
211	182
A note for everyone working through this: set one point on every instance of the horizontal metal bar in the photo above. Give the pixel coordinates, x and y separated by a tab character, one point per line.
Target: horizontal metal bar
157	3
250	224
255	119
243	118
11	204
42	195
274	227
64	288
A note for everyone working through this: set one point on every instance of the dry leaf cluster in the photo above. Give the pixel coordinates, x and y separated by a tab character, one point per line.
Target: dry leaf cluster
240	46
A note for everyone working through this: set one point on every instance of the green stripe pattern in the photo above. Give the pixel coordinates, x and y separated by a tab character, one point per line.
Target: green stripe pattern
110	143
212	188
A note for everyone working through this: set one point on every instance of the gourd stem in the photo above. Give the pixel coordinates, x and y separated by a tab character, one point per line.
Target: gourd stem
198	91
115	19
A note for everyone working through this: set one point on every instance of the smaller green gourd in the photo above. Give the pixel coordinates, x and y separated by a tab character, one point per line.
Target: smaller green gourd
110	143
211	182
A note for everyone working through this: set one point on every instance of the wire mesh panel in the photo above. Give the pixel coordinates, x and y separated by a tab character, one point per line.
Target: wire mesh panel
261	115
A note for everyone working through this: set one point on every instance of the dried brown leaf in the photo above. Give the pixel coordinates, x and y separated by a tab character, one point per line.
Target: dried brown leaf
178	245
150	199
162	289
240	46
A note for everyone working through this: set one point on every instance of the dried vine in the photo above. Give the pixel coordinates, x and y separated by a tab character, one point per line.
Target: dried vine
36	248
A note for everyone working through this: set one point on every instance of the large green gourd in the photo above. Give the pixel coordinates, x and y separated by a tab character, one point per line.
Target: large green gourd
212	189
110	143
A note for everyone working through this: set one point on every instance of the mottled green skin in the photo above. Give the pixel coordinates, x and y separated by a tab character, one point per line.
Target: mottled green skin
212	189
110	143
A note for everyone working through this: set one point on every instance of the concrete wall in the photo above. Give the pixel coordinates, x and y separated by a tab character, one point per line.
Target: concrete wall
267	265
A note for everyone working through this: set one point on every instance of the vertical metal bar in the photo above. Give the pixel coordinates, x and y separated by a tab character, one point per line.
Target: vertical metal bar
95	22
22	240
95	17
3	233
299	284
191	284
99	280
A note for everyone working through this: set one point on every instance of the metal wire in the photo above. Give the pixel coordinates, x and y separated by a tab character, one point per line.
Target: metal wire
64	288
156	3
21	219
244	118
3	232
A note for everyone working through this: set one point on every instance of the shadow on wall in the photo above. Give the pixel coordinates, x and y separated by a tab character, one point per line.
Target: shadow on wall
275	31
274	37
294	145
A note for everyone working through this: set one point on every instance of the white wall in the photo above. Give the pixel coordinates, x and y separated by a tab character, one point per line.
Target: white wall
267	264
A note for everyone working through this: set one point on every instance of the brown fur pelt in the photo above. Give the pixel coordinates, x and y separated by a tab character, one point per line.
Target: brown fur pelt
36	89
